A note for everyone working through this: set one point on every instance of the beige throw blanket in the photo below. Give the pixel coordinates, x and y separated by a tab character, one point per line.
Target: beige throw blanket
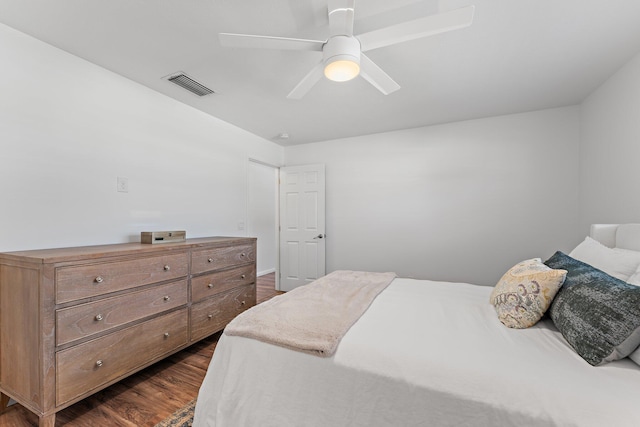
312	318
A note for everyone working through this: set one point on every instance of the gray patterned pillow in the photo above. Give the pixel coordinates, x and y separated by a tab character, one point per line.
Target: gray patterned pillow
597	314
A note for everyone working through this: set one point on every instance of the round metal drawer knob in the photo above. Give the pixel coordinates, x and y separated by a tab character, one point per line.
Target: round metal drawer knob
98	363
166	334
244	276
242	303
99	317
210	316
98	279
210	260
167	268
210	285
242	254
167	298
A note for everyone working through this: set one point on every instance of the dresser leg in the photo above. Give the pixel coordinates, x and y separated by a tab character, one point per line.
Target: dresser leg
4	401
47	420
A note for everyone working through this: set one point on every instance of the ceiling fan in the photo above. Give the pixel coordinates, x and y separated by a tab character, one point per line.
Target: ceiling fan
342	53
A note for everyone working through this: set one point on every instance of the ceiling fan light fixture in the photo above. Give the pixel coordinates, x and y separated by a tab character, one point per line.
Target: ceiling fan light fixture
342	70
341	58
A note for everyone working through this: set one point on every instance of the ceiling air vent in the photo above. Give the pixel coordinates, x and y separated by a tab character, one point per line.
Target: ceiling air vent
186	82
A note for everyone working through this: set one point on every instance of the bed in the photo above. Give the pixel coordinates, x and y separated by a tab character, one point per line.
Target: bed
427	353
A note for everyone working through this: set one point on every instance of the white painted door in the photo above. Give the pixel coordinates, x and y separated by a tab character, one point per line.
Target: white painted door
302	232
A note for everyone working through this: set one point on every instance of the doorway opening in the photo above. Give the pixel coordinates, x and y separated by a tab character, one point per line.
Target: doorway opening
262	215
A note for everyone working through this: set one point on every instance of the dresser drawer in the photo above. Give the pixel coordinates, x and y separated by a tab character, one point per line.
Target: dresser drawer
211	284
218	258
77	282
87	366
213	314
83	320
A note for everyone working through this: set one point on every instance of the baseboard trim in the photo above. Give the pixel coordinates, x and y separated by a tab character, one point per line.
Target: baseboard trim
262	273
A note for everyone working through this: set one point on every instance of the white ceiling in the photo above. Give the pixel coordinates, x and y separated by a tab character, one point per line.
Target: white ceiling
519	55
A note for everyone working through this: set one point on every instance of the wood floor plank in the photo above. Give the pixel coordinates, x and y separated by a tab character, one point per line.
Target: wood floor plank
17	416
147	397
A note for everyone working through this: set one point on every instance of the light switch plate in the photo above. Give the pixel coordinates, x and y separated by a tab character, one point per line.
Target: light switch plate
123	184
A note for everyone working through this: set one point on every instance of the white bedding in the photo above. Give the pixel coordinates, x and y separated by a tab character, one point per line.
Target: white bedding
424	354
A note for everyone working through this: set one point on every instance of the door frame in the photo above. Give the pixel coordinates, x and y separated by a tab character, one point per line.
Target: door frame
277	209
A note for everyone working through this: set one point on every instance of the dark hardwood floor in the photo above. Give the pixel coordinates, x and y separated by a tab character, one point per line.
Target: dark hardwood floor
147	397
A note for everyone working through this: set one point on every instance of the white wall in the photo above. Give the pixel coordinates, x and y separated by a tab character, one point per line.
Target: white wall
461	201
262	210
610	150
69	128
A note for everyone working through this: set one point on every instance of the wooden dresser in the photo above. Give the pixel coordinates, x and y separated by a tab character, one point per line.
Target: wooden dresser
75	320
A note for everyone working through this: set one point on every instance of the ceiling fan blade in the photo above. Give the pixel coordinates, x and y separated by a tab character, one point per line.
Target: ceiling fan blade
341	17
268	42
418	28
307	82
374	75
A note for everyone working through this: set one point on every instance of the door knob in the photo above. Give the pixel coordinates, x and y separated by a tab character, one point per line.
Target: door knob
320	236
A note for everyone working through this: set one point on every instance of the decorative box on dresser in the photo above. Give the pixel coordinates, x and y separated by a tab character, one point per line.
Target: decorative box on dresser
76	320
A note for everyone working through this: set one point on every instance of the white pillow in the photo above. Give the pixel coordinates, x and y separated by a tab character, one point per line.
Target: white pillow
635	356
619	263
